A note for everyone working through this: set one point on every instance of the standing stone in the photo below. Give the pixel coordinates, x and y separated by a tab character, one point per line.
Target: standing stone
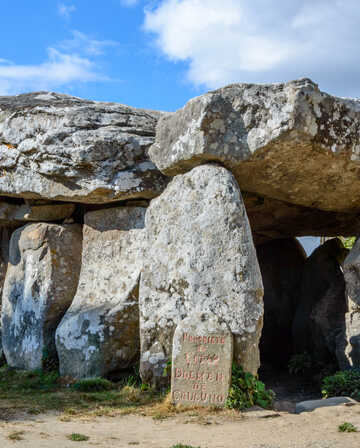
100	332
320	314
350	353
41	280
200	258
281	263
201	362
4	258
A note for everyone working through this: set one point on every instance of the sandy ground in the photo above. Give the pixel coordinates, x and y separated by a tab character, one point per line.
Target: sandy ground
256	429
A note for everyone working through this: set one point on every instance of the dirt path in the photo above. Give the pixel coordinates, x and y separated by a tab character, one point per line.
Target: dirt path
257	429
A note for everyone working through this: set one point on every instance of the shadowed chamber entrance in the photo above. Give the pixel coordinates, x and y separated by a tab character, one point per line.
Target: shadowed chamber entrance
304	311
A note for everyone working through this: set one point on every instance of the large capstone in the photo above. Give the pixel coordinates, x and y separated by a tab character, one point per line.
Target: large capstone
40	283
320	314
281	264
289	141
58	147
200	257
100	332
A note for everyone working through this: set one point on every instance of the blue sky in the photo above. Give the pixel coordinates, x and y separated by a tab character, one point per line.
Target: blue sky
159	54
92	49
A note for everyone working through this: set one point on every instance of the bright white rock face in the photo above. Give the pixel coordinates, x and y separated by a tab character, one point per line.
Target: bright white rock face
200	258
58	147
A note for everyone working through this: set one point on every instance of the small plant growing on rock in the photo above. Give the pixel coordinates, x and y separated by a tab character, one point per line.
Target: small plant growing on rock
347	427
348	242
246	391
93	385
342	383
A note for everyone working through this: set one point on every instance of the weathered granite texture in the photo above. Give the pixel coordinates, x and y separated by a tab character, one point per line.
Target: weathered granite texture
99	334
350	355
289	141
281	264
200	258
320	314
58	147
40	283
2	357
202	358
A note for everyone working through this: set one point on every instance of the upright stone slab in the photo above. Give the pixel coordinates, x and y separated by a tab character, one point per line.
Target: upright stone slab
100	332
40	283
5	234
320	313
349	356
201	362
200	258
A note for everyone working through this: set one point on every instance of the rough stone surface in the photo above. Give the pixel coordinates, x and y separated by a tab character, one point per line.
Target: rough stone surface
289	141
320	314
273	219
2	357
5	234
12	213
99	334
311	405
202	357
40	283
351	335
281	265
200	258
58	147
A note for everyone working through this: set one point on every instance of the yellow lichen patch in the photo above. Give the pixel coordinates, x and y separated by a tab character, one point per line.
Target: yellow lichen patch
9	145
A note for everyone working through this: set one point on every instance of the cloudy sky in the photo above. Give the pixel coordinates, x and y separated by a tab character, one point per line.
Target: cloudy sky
158	54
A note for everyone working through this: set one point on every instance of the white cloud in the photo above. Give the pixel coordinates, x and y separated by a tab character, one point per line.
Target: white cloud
259	40
65	64
86	44
65	10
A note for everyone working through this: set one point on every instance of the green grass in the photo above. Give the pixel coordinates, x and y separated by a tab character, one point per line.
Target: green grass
93	385
75	437
37	392
347	427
